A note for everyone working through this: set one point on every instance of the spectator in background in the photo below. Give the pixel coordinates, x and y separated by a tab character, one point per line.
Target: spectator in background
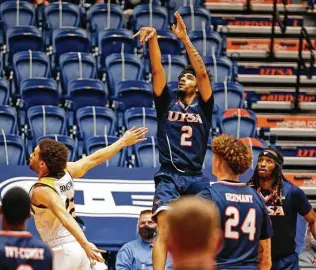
194	233
308	256
18	248
137	254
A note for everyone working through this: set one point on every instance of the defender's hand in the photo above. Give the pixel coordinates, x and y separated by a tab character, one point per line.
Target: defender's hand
145	34
93	253
134	135
179	30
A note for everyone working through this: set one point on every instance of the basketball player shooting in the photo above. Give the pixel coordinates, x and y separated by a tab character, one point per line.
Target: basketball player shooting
52	198
184	123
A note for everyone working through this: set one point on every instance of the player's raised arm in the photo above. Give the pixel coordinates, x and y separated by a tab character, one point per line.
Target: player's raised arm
264	254
149	34
203	81
82	166
46	196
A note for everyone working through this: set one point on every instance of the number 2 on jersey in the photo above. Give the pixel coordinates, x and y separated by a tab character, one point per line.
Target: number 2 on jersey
186	135
248	226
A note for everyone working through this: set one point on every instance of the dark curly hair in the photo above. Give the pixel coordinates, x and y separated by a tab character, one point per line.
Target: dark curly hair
190	69
233	151
54	154
277	177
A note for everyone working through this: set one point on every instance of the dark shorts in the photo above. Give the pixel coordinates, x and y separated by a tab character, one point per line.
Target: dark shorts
170	185
289	262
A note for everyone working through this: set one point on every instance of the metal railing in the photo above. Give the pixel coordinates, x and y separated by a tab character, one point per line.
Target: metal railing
303	64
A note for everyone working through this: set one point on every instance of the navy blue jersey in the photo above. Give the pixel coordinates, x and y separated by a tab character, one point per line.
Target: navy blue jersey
284	217
245	221
20	250
183	131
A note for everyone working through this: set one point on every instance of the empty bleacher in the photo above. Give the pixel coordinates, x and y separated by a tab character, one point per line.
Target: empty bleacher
75	74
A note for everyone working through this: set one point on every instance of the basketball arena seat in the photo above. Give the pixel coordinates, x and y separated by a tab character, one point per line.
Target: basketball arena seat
141	117
95	143
239	123
11	149
29	64
146	153
8	120
4	92
196	18
221	68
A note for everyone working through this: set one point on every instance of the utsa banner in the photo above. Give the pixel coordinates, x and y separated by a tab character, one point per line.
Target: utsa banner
108	200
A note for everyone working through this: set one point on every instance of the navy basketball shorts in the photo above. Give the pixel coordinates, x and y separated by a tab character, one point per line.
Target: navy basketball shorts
170	185
289	262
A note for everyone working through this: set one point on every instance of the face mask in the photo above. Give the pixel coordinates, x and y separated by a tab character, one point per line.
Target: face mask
147	233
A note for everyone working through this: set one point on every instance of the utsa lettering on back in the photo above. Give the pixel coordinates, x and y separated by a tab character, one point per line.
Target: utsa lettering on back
19	250
184	122
245	222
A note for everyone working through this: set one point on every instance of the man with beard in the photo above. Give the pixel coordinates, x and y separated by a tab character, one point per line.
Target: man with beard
184	122
137	254
284	202
52	198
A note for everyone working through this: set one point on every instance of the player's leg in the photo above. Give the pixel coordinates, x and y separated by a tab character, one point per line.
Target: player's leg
160	249
287	263
165	192
67	256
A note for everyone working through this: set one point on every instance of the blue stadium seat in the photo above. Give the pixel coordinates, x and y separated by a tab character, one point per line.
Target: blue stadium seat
256	146
70	39
76	65
95	143
133	93
70	143
173	86
30	64
39	91
155	16
176	4
93	121
58	16
206	43
8	120
4	92
46	120
11	149
115	41
239	123
196	18
228	95
222	68
141	117
9	11
103	16
122	67
173	65
168	43
146	153
23	38
87	92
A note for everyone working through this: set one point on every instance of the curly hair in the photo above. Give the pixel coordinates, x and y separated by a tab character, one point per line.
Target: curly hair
54	154
233	151
277	177
190	69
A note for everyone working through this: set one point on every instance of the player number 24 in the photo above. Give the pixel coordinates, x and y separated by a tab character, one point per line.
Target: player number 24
248	225
186	135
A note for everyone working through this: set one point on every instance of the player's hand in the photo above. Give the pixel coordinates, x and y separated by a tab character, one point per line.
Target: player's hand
134	135
145	34
179	30
93	253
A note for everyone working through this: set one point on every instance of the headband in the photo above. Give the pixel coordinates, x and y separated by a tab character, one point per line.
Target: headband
278	159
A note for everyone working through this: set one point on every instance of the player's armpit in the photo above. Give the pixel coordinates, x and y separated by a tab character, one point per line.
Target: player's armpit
264	254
